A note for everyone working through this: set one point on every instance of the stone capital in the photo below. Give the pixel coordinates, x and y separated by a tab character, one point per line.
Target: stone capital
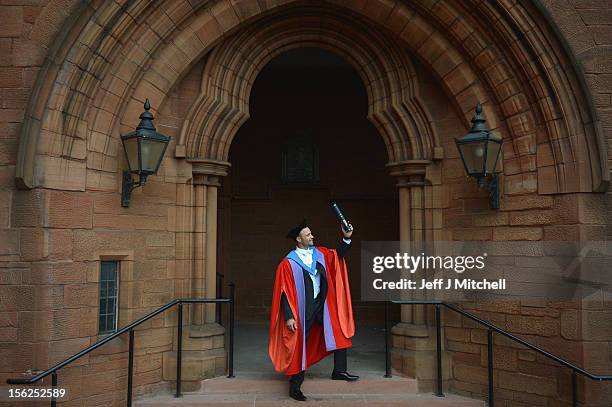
208	171
409	173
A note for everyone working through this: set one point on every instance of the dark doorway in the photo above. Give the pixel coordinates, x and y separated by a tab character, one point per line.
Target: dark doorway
309	108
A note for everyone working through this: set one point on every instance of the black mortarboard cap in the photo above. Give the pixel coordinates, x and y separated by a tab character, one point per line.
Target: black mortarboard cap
294	233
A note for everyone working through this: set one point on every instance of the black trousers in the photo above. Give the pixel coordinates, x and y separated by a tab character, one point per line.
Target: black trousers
340	363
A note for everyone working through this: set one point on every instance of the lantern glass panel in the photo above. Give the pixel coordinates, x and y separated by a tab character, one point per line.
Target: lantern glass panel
151	151
492	156
131	152
473	156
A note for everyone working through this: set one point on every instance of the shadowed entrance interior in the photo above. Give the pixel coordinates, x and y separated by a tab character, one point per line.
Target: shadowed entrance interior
306	102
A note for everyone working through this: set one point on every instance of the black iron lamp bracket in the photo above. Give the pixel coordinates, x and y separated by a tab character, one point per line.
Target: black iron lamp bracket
128	185
492	185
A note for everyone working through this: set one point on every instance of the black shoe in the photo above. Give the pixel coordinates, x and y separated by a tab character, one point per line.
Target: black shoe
344	376
297	395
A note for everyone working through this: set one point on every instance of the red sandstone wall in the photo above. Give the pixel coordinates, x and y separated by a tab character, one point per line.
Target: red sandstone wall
51	243
580	333
47	272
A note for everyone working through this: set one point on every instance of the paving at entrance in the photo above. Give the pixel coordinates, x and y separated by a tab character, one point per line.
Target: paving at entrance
366	356
257	384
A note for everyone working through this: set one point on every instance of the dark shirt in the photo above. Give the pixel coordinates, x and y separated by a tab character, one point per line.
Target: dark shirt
314	307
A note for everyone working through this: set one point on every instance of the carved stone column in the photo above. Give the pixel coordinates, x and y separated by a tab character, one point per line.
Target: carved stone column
206	180
204	347
411	183
205	243
413	350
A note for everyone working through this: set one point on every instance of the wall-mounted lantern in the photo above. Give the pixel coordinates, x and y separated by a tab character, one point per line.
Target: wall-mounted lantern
480	150
144	150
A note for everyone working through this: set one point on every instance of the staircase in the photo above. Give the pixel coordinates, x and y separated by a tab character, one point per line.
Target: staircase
256	389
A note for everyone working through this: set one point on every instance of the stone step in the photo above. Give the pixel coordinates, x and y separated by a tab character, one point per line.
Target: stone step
368	383
331	400
260	389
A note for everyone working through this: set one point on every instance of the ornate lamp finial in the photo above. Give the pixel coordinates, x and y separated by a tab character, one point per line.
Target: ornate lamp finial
146	118
478	122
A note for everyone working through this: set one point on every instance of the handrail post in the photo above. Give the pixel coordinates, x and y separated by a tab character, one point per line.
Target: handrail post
574	389
231	327
439	391
179	349
130	369
219	295
490	365
53	387
387	342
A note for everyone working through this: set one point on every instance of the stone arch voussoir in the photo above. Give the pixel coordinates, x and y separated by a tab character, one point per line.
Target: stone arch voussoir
394	106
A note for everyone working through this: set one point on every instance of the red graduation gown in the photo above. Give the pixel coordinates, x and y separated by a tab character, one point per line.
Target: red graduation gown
285	347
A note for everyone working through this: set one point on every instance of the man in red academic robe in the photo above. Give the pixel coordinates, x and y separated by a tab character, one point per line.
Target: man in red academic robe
312	313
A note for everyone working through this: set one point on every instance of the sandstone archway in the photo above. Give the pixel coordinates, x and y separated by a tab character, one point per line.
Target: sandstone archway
394	104
528	84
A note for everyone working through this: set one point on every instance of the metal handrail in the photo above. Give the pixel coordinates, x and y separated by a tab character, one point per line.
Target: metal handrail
527	344
130	328
92	347
491	328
